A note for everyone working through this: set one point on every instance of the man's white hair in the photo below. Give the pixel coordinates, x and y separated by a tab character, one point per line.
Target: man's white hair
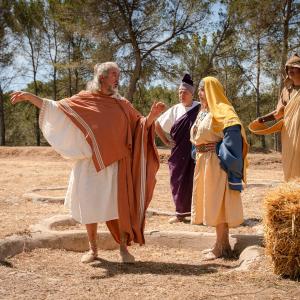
100	69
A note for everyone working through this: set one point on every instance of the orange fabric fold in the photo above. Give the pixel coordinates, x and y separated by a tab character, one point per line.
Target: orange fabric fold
116	131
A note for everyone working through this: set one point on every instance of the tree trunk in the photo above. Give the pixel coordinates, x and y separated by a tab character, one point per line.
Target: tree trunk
55	30
37	128
135	76
2	123
69	70
37	113
76	80
287	9
287	15
70	82
258	62
132	84
54	84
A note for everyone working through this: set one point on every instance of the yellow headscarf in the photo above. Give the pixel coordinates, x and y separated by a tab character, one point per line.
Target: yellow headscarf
223	113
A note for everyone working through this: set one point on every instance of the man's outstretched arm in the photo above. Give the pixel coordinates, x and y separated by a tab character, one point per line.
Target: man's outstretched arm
20	96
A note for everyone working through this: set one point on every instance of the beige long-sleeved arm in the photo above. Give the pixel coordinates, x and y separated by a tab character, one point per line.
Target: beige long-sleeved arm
275	114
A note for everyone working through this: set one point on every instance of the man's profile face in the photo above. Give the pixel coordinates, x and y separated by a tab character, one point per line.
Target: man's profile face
294	73
185	97
111	81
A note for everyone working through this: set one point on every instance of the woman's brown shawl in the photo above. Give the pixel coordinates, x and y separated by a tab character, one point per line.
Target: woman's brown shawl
117	132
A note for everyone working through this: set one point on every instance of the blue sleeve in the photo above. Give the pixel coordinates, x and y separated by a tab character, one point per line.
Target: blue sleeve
193	152
230	153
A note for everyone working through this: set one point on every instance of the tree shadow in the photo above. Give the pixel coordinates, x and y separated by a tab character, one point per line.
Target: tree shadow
159	268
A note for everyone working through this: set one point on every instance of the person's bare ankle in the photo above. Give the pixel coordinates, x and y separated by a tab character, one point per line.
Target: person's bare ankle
92	254
222	250
126	257
88	257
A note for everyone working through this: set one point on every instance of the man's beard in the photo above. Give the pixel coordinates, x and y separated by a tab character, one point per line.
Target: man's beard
114	89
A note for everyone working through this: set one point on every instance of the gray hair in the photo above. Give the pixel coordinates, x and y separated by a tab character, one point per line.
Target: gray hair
188	87
100	70
201	84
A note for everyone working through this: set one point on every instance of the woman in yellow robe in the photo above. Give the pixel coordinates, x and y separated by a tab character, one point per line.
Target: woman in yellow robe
221	150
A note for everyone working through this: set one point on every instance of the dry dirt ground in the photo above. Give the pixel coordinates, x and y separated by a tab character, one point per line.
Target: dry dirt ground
159	273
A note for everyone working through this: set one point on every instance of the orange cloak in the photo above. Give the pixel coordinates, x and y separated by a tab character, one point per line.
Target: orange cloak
118	132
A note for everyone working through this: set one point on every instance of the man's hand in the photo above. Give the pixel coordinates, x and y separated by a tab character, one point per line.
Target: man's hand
159	131
20	96
170	143
272	116
156	109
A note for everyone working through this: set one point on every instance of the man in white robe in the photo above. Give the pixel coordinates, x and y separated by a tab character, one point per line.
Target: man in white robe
101	186
173	128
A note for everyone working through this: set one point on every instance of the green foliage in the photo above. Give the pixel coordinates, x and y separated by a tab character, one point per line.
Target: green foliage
19	123
6	54
244	44
145	97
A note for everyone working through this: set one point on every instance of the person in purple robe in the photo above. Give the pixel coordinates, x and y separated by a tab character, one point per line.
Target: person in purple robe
173	128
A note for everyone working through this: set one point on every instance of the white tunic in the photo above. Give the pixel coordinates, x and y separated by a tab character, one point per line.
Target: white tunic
170	116
91	195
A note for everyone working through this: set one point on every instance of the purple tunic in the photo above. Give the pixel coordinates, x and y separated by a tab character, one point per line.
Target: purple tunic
181	164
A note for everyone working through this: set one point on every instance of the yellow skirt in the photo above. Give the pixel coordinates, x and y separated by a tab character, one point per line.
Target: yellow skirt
213	202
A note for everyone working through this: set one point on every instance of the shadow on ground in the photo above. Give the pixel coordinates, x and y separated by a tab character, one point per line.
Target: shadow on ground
158	268
5	263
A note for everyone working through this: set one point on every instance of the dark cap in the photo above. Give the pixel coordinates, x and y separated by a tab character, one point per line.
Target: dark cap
187	83
187	79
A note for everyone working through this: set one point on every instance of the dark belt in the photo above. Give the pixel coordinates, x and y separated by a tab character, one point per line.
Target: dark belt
202	148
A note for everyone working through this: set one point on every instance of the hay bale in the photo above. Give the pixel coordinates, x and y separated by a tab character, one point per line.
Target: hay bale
282	228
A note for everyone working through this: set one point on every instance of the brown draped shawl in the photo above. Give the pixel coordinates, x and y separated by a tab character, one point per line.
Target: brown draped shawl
117	132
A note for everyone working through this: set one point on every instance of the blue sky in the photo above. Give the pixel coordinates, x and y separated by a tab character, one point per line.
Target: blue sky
22	74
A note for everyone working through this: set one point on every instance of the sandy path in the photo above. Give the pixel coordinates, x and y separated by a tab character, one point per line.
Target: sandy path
24	169
160	273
